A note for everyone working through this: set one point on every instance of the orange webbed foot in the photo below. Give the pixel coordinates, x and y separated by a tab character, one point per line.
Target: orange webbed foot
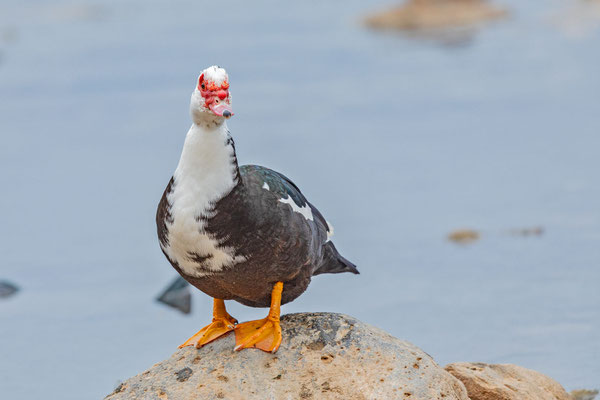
264	334
222	323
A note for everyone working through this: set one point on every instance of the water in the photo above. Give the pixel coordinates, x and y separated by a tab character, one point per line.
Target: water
397	141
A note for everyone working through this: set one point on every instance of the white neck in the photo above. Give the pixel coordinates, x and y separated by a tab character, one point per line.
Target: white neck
206	173
207	169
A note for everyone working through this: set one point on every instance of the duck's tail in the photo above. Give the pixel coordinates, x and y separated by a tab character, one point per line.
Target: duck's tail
333	262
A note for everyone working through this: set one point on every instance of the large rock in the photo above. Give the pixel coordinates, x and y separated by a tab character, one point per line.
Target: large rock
323	356
506	382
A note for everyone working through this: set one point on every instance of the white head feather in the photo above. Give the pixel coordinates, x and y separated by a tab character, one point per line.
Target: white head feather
213	77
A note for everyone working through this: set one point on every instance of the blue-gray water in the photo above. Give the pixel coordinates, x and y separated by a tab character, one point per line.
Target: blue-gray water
397	141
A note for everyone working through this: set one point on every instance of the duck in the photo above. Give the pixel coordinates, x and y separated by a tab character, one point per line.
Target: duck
243	233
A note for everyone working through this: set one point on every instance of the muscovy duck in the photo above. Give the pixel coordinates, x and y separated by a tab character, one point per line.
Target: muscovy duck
239	233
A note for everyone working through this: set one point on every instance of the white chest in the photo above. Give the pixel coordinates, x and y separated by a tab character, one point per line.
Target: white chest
205	174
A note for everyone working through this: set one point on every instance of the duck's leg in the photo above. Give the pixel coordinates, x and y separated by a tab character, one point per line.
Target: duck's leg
221	324
264	334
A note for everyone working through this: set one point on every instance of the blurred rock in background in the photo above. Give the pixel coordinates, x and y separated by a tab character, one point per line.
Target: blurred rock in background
7	289
449	20
464	236
579	18
435	14
583	394
506	382
530	231
177	295
468	236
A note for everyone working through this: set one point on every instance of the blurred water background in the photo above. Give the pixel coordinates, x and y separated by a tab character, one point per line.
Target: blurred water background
397	140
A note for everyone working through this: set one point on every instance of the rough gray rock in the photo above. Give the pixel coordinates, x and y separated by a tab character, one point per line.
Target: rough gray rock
323	356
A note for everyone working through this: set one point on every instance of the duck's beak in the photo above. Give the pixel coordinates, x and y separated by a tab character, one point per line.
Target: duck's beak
222	109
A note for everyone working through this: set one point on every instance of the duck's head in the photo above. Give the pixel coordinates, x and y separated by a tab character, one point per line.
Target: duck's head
211	100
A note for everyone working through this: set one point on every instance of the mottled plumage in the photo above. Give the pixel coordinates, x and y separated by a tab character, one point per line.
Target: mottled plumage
277	243
233	232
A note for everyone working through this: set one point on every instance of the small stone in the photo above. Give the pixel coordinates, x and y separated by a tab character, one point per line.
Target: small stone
184	374
120	388
464	236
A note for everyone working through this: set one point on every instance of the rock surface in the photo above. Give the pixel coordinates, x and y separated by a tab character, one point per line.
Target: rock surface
506	382
323	356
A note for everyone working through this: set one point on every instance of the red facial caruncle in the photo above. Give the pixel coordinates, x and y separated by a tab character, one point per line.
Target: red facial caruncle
216	98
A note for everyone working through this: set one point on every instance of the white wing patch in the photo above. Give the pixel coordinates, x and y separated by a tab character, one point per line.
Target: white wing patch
305	211
329	231
266	186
